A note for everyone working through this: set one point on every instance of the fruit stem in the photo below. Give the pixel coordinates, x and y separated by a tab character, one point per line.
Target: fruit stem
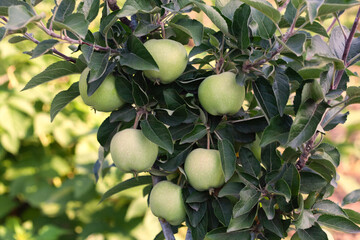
208	140
139	114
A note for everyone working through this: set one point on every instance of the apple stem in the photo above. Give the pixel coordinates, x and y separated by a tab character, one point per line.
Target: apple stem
208	139
137	118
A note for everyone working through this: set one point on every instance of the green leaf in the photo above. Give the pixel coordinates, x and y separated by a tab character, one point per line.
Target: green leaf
353	215
305	220
222	210
313	8
172	98
240	27
338	223
90	9
198	132
197	197
214	16
178	158
311	72
105	133
265	27
158	133
242	222
295	44
270	158
306	122
330	6
228	158
5	4
43	47
313	233
75	23
54	71
63	98
14	39
65	8
268	206
3	34
139	57
195	216
282	189
221	234
132	7
124	89
352	197
124	114
265	97
328	207
265	8
191	27
281	90
139	95
231	189
292	178
311	182
275	225
353	94
249	197
19	17
249	162
277	131
130	183
229	9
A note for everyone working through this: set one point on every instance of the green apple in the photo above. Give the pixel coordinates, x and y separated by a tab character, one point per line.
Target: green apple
171	58
131	151
166	202
220	94
105	98
203	169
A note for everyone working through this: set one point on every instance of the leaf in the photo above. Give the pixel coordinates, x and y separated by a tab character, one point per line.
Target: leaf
240	27
242	222
172	98
90	9
75	23
197	197
228	158
158	133
313	8
265	27
125	114
265	8
311	182
139	95
231	189
295	44
352	197
282	189
269	157
105	132
222	210
124	89
306	122
221	234
214	16
292	178
250	164
275	225
268	206
338	223
177	159
281	90
65	8
191	27
19	17
353	94
277	131
130	183
139	57
54	71
335	6
249	197
305	220
251	125
132	7
63	98
328	207
198	132
5	4
353	215
313	233
43	47
265	97
229	9
196	216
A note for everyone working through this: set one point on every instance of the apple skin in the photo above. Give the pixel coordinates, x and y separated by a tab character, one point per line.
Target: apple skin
220	94
203	169
166	202
105	98
131	151
171	58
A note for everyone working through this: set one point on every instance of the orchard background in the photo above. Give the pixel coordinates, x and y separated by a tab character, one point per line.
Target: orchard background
47	186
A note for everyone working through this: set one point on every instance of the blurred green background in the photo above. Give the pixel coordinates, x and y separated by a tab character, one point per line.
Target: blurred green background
47	189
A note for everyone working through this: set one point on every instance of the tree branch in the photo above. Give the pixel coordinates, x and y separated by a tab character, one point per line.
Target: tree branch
166	228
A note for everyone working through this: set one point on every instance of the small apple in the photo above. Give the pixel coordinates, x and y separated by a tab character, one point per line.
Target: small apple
105	98
220	94
203	169
171	58
166	202
131	151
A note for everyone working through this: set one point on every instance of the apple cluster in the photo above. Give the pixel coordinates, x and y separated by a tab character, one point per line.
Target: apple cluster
218	94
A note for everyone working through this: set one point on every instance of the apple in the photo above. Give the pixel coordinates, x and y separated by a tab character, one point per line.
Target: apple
105	98
131	151
171	58
203	169
220	94
166	202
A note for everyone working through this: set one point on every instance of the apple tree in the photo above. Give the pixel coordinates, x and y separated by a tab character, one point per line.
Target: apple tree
226	136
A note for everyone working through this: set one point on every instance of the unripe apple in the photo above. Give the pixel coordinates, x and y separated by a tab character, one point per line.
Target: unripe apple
166	202
220	94
203	169
171	58
131	151
105	98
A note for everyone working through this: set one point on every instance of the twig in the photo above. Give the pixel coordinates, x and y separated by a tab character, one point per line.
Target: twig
331	25
166	228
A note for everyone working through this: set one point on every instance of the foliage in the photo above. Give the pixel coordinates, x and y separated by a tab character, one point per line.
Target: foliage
295	73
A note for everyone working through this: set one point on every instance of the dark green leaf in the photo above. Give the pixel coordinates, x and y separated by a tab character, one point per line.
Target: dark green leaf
172	98
277	131
313	233
65	8
240	27
90	9
197	197
328	207
231	189
139	95
75	23
305	220
178	159
3	34
292	178
195	217
249	197
43	47
296	43
353	215
268	206
124	114
250	164
265	8
158	133
135	6
281	188
228	158
191	27
251	125
172	118
275	225
311	182
353	94
270	158
124	89
281	90
54	71
63	98
313	8
338	223
265	26
198	132
265	97
98	63
221	234
242	222
5	4
335	6
222	210
352	197
106	131
19	17
14	39
130	183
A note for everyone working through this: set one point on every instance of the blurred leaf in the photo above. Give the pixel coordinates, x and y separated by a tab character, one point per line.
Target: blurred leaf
228	158
313	8
19	17
338	223
353	94
90	9
249	197
221	234
328	207
265	8
336	6
265	26
14	39
106	131
242	222
51	232
313	233
10	204
240	27
192	27
43	47
250	164
197	197
353	215
134	6
130	183
65	8
352	197
158	133
311	182
63	98
75	23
